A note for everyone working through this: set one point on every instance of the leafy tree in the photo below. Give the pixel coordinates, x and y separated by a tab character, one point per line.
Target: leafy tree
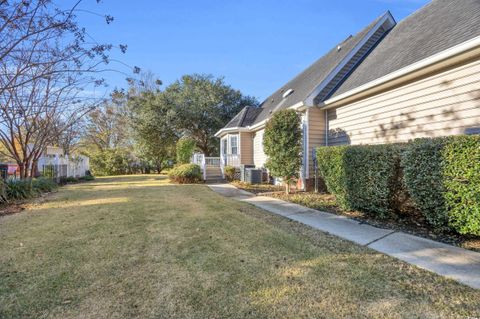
153	126
113	161
185	148
282	143
203	105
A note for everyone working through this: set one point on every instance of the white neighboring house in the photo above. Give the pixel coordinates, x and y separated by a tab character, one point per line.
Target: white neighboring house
56	164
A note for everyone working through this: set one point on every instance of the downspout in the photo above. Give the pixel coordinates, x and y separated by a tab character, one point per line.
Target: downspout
326	127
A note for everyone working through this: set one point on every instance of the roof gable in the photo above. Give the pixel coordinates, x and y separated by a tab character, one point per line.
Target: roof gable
325	74
436	27
244	118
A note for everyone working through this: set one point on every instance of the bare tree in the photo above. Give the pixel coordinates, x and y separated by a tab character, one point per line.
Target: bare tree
46	65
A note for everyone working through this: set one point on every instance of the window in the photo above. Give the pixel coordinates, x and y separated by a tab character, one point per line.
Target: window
234	145
224	146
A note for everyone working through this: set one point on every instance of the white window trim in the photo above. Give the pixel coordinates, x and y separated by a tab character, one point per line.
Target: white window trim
237	146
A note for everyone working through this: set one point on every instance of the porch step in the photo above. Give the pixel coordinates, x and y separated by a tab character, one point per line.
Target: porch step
215	181
213	173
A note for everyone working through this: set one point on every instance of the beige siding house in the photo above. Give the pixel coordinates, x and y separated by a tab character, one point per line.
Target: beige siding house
388	83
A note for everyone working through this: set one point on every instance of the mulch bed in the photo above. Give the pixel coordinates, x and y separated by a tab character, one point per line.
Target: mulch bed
18	206
9	209
412	223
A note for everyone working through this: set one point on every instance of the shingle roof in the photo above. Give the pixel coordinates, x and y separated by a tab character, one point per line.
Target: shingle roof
436	27
305	82
244	118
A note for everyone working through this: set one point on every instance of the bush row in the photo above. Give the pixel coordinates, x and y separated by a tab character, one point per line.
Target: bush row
185	174
23	189
16	189
441	176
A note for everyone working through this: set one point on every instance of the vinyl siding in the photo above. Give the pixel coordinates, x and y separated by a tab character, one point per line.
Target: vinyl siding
259	156
447	103
246	148
316	133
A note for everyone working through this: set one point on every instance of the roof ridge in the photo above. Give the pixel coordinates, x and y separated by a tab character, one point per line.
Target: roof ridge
245	110
360	36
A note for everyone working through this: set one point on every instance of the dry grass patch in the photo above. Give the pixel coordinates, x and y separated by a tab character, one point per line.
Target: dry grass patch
182	251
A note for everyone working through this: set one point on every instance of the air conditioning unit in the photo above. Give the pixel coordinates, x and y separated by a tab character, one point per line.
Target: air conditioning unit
243	167
253	176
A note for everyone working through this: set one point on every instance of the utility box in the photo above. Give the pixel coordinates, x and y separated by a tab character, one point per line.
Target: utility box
243	168
253	176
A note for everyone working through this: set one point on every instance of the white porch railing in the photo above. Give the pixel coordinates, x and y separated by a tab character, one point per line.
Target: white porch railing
230	160
203	161
197	158
212	161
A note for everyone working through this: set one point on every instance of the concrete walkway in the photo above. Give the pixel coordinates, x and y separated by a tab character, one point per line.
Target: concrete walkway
446	260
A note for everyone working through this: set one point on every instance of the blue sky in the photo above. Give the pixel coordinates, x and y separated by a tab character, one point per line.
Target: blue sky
256	45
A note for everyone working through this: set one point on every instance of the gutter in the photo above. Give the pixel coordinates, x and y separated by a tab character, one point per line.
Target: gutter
436	58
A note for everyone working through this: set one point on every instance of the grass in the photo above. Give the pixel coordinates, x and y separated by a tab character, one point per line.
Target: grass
139	247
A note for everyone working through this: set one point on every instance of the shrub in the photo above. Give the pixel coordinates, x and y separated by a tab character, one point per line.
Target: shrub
43	185
332	170
461	155
184	150
87	177
16	189
282	143
373	181
3	191
230	173
366	178
443	178
68	180
422	165
186	173
19	189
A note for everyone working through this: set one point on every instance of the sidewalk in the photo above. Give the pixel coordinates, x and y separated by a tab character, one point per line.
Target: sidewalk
446	260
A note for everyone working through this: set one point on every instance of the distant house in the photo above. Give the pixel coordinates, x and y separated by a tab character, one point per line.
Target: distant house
52	163
9	170
388	83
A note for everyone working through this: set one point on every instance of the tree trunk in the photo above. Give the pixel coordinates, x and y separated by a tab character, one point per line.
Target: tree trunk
205	150
35	172
287	186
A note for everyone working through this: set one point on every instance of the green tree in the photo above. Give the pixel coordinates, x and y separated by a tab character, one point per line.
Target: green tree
185	148
282	143
204	105
113	161
152	120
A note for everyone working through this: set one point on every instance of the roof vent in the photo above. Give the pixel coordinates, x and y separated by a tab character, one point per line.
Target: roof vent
339	48
287	93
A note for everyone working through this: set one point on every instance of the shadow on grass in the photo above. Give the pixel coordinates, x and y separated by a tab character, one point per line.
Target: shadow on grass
183	251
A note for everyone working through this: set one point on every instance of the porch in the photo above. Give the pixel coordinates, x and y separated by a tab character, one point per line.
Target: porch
213	168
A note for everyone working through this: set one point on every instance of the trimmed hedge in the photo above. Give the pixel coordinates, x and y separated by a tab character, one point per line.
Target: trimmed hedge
365	178
374	178
186	174
332	169
440	175
423	176
462	182
443	177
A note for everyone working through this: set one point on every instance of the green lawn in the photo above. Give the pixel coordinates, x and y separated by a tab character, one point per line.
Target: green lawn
138	246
